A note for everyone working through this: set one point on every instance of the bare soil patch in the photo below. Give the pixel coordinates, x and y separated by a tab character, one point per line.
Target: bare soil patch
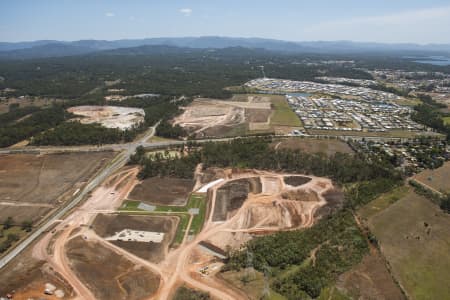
47	179
310	145
296	180
257	115
218	118
27	276
300	195
108	225
162	191
109	116
232	195
370	279
335	201
107	274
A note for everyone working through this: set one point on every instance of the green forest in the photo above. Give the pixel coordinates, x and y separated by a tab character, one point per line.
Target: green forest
429	113
75	133
256	153
174	73
12	132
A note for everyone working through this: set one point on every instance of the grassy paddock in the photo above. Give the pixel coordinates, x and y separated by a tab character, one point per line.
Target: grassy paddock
283	114
383	202
414	236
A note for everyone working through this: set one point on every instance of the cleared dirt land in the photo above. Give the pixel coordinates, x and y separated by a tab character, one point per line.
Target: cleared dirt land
108	225
241	115
31	185
232	195
414	236
108	274
162	191
310	145
109	116
257	202
370	279
27	276
438	179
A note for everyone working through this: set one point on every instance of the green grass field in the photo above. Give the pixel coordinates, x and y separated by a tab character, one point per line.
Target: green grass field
130	205
283	115
157	139
383	202
414	236
332	293
181	229
195	201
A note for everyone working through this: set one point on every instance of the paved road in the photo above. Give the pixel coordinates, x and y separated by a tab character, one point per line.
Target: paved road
143	142
113	147
118	162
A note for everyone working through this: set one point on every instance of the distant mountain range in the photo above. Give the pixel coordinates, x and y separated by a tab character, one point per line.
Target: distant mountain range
53	48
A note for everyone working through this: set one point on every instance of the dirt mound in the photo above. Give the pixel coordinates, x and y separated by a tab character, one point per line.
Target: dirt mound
335	201
108	225
232	195
229	240
300	195
296	180
277	214
96	265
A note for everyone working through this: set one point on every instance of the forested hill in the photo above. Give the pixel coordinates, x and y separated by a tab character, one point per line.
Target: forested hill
162	70
35	49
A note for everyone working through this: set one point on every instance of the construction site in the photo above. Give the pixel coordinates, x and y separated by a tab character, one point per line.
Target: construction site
109	116
99	241
240	115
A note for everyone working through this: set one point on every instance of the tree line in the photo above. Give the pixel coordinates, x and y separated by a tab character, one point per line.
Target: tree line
428	113
75	133
256	153
14	132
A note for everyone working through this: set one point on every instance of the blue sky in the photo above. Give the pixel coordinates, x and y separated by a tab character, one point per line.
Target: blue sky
297	20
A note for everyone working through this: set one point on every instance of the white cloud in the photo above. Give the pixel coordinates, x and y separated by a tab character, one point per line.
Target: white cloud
110	14
186	11
426	23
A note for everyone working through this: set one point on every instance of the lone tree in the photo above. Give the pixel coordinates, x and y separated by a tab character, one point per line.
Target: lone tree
445	204
27	226
8	223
